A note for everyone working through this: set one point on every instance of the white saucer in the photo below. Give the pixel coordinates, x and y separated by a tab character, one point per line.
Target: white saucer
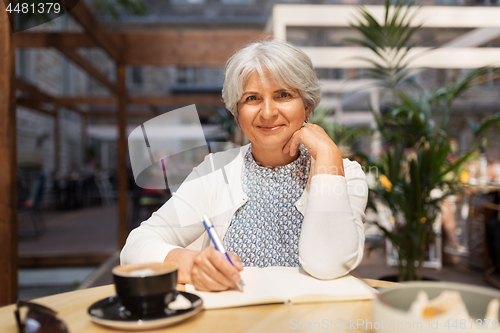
111	313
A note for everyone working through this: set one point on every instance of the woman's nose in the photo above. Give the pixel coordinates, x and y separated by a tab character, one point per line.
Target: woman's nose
268	109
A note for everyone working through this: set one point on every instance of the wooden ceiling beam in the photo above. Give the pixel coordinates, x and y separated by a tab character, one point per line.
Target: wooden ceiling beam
131	114
33	91
53	39
39	96
86	100
177	99
35	105
151	101
111	44
156	48
89	68
185	47
113	114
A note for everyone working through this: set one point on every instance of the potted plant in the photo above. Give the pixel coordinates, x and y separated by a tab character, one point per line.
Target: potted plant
417	157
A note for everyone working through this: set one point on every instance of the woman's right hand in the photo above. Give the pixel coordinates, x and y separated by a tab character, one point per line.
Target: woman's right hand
207	270
212	271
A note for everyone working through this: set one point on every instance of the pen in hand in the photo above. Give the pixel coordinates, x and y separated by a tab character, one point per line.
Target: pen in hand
218	244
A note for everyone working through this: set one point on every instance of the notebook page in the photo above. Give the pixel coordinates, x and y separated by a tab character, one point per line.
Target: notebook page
301	287
258	289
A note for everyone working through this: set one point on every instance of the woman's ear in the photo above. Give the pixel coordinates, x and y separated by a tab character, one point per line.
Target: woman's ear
308	113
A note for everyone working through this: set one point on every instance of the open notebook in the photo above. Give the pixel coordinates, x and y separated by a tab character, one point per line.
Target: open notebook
282	285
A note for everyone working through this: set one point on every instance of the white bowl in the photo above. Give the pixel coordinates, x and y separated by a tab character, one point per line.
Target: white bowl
394	317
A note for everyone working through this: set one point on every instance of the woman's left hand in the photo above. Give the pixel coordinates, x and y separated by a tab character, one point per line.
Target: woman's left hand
320	146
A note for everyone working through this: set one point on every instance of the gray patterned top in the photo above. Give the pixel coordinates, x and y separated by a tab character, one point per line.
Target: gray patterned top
266	230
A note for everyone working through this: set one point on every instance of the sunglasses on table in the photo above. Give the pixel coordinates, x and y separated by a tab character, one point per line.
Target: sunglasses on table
38	319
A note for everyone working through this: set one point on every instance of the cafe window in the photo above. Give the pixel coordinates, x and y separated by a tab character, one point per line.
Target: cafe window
186	75
136	76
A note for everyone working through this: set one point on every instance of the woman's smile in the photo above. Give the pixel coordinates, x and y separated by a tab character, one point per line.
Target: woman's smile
270	128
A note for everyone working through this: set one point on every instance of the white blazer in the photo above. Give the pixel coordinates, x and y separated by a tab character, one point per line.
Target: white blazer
332	238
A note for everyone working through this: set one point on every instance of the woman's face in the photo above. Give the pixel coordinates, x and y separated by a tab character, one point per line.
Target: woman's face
268	113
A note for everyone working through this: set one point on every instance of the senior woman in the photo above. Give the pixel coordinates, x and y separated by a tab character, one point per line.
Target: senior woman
286	199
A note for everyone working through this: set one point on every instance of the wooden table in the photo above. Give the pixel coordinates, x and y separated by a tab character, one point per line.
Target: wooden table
72	309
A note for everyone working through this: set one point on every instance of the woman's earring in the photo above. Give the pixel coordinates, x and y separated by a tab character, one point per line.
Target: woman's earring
305	122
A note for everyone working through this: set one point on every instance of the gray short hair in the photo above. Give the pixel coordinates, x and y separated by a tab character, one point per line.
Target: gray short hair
285	62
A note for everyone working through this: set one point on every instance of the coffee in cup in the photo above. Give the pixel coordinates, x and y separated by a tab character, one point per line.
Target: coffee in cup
146	289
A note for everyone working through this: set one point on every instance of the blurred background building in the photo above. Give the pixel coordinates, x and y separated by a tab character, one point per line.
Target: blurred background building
85	161
52	72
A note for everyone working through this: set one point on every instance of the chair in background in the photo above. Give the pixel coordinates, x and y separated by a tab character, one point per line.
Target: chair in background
32	206
151	200
490	213
105	188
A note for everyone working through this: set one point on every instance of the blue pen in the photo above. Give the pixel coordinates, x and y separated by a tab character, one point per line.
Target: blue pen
218	244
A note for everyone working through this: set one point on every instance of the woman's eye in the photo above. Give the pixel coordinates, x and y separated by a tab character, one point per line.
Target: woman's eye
284	94
251	98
